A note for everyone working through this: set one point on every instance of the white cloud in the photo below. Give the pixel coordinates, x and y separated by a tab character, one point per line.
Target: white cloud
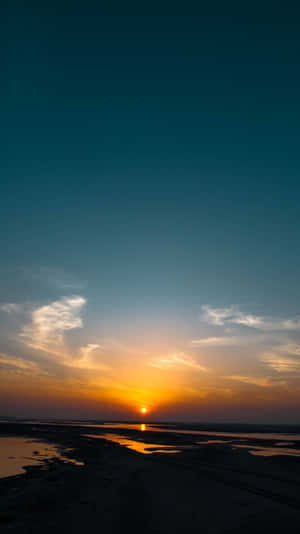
284	358
232	315
216	316
10	307
282	364
87	361
46	331
48	323
177	360
87	349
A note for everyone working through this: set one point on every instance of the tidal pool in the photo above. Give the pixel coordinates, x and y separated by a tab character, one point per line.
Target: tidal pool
281	446
18	452
148	448
257	450
138	446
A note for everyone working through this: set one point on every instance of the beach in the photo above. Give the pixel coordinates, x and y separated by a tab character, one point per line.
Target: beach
213	488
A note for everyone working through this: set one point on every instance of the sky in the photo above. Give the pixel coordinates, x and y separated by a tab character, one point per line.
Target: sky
149	214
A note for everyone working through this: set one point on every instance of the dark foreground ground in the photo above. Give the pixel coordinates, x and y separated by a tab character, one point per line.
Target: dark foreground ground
210	490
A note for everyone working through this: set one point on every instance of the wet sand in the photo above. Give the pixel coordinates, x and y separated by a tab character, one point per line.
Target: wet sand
213	488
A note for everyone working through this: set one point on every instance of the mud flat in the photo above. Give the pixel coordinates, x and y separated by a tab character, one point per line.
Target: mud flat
209	488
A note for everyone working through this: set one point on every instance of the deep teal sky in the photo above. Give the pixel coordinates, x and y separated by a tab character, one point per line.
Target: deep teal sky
155	158
150	163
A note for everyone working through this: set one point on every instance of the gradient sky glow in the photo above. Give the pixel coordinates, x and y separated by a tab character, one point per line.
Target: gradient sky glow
150	215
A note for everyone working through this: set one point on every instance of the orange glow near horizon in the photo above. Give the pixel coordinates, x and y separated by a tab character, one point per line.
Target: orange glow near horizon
175	387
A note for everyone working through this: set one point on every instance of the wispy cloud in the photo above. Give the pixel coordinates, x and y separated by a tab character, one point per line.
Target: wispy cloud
48	323
87	349
284	358
265	382
216	341
177	360
10	307
232	315
216	316
20	365
282	364
88	358
289	348
46	332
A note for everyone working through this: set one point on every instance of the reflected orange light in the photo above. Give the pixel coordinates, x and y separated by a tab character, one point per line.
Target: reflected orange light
143	427
139	446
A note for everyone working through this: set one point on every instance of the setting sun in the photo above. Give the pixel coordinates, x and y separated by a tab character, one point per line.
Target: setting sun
144	410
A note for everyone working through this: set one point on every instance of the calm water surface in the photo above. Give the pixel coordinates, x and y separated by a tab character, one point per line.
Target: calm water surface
18	452
248	435
139	446
281	445
279	436
276	449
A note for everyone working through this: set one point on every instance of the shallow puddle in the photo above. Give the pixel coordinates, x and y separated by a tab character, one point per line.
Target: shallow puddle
281	446
155	428
147	448
152	427
18	452
138	446
269	451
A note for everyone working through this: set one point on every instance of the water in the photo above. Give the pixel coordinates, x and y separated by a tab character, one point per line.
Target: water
18	452
156	428
138	446
280	442
279	448
256	450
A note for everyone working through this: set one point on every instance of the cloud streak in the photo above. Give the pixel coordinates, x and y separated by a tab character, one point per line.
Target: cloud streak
216	341
87	349
49	323
177	360
265	382
20	365
233	316
87	358
282	364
